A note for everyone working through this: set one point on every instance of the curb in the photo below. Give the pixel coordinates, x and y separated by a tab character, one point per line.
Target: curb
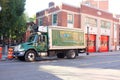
101	53
105	53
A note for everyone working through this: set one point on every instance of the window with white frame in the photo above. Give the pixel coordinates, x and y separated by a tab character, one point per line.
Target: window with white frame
54	19
105	24
70	18
91	21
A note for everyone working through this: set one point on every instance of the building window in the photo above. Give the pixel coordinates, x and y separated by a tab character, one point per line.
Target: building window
91	22
40	22
105	24
70	18
54	19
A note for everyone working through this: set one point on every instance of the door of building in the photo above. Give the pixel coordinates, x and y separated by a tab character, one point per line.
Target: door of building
91	44
104	43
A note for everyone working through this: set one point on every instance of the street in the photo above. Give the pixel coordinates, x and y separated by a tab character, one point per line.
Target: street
105	66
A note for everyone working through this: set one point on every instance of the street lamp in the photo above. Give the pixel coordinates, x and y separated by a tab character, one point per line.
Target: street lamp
87	39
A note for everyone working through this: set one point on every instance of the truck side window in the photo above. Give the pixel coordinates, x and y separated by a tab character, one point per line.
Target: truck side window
41	38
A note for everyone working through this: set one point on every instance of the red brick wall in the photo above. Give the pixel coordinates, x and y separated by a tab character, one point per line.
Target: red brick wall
63	19
50	20
41	13
36	21
80	21
53	9
101	4
45	21
115	20
92	11
59	19
70	8
76	21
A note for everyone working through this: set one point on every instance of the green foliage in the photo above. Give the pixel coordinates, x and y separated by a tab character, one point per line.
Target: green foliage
12	18
31	19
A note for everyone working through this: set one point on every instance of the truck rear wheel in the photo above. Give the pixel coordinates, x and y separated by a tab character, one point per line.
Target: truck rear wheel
71	54
60	55
30	56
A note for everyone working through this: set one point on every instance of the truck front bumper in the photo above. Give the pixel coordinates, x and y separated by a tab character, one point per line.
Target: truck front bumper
20	53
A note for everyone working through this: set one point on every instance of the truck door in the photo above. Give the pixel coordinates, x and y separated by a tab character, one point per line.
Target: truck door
42	43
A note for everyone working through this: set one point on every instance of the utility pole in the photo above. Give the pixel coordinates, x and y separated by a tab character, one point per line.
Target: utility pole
87	39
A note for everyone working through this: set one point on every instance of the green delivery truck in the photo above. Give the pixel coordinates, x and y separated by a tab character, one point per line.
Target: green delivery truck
52	41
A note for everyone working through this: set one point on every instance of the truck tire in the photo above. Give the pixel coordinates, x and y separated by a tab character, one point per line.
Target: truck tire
60	55
71	54
30	56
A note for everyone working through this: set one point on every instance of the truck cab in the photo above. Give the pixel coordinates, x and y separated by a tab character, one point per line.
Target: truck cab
29	50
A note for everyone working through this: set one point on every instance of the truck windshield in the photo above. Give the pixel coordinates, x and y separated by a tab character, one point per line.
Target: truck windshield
32	38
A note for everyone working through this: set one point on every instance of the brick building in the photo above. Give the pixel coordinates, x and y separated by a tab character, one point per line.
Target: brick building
100	4
102	26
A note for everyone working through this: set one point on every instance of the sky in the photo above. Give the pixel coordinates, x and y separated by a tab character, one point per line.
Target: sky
33	6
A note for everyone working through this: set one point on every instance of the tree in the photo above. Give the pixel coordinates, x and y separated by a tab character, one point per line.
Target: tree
12	18
31	19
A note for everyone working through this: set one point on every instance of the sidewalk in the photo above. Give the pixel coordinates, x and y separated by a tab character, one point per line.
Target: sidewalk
104	53
101	53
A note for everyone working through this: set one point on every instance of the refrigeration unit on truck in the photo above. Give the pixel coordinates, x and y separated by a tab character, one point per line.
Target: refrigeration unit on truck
52	41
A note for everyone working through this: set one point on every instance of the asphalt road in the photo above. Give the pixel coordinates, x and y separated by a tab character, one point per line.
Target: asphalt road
92	67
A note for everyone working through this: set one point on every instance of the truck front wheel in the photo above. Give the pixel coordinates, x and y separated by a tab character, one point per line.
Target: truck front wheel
30	56
71	54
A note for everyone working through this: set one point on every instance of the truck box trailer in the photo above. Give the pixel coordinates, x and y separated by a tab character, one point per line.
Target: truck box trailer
52	41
